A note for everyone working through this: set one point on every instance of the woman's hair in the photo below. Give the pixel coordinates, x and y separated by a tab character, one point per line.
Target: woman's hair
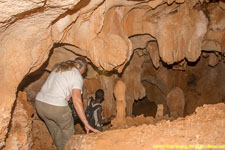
70	64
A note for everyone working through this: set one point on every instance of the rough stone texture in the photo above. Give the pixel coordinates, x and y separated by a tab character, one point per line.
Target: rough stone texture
205	85
140	41
214	39
109	104
180	33
120	94
58	55
25	31
153	50
35	84
200	83
20	136
213	59
159	113
222	5
41	137
106	44
144	107
132	78
100	30
176	102
203	128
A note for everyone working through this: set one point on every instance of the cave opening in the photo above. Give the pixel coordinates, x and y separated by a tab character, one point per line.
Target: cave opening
145	107
188	78
30	86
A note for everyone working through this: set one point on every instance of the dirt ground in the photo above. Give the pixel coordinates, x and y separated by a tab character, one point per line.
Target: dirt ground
202	130
206	127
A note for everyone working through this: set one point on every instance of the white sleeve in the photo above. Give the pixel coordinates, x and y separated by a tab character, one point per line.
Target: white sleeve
77	83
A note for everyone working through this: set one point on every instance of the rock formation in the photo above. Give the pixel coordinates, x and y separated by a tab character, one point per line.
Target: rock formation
176	101
159	113
20	136
132	78
120	92
190	130
153	46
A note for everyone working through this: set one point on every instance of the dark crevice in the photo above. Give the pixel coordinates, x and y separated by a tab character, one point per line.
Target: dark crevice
34	76
145	107
77	7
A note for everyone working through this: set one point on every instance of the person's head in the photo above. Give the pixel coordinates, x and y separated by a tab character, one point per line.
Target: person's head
80	63
99	95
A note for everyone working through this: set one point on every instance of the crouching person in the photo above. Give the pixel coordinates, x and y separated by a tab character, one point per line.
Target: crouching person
94	111
65	81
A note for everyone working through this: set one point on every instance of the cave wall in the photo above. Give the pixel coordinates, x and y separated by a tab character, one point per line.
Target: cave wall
200	83
99	30
132	79
20	136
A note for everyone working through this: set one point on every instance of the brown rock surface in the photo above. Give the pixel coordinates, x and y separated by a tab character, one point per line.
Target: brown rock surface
206	127
120	94
20	132
102	30
215	36
41	137
176	101
153	50
132	79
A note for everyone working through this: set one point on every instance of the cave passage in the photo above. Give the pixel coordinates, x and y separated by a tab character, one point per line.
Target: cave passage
145	107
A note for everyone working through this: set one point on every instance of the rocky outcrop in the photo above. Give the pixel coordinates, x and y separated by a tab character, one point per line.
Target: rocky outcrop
176	101
208	120
214	40
132	78
120	92
26	39
20	136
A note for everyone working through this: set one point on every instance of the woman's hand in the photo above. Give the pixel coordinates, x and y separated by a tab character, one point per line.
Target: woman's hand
89	128
76	95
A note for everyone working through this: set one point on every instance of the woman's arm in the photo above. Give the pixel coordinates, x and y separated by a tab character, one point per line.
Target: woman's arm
78	105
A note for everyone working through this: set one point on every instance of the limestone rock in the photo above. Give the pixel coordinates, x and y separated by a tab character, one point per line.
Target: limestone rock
215	37
211	46
174	30
132	78
159	113
213	59
120	92
153	50
222	5
101	30
176	101
20	131
209	118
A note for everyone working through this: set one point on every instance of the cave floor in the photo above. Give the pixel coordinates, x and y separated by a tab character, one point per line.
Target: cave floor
205	127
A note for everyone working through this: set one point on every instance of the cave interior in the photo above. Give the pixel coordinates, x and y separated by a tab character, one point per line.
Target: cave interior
169	54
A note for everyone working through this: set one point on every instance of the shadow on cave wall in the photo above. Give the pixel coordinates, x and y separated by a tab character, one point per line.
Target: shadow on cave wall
34	76
145	107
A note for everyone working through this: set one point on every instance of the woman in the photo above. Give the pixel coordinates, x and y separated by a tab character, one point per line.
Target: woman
64	82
